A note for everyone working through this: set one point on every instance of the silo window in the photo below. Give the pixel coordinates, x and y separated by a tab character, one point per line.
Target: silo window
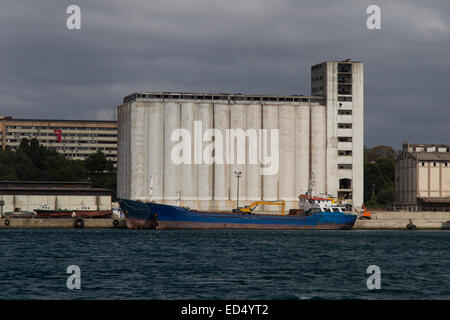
344	89
345	152
345	183
344	67
344	125
344	78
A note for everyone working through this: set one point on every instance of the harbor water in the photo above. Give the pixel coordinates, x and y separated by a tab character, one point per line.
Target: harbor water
223	264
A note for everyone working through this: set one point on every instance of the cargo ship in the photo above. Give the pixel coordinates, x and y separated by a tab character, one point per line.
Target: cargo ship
150	215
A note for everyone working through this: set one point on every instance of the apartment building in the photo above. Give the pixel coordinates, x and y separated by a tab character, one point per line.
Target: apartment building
76	139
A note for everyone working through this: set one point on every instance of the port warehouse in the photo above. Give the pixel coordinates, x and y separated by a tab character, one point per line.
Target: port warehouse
79	138
422	178
31	195
320	141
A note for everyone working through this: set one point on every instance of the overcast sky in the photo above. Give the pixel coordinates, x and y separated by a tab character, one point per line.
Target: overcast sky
245	46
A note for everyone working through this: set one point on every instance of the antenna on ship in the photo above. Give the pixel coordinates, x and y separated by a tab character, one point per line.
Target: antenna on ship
238	175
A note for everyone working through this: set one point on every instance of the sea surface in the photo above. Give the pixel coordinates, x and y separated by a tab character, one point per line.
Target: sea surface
152	264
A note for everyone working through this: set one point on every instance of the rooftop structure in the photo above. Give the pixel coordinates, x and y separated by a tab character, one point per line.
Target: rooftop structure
220	97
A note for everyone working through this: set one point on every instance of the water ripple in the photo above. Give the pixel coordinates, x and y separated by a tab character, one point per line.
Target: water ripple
286	265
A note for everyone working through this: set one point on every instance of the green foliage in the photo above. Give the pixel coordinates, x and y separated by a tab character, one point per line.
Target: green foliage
379	175
378	152
101	172
33	162
97	163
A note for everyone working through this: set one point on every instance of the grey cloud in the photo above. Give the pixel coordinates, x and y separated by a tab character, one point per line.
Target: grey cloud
255	46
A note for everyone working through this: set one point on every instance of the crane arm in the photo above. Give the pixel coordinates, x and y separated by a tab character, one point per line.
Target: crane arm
253	205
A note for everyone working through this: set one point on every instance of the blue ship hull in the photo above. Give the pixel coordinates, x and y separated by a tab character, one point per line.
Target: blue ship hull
140	215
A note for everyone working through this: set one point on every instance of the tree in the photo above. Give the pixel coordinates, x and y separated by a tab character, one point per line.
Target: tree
101	172
97	163
33	162
378	152
379	175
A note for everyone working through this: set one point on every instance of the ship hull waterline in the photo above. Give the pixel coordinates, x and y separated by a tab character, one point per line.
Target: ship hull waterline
140	215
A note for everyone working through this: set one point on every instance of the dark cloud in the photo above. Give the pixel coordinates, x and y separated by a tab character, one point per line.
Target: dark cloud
254	46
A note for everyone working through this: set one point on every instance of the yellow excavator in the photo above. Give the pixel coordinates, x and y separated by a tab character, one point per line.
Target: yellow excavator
249	209
339	200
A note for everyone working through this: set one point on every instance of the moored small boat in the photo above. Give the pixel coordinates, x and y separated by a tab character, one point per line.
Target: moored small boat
20	214
46	213
93	213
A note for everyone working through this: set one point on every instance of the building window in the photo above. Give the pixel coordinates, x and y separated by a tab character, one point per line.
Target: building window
344	152
344	67
423	164
344	166
345	183
344	139
345	78
344	112
434	164
344	125
344	89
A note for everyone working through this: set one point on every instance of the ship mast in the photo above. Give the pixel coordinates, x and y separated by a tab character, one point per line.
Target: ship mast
311	188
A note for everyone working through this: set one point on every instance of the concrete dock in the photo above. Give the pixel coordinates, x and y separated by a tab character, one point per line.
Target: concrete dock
62	223
399	220
381	220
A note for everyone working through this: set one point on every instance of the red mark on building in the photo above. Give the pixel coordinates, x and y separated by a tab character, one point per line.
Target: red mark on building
58	133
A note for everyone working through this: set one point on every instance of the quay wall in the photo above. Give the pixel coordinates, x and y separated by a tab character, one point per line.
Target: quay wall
381	220
399	220
414	215
36	223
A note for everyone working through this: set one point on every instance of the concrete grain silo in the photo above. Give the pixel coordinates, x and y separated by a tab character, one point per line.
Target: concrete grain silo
318	133
302	148
185	147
